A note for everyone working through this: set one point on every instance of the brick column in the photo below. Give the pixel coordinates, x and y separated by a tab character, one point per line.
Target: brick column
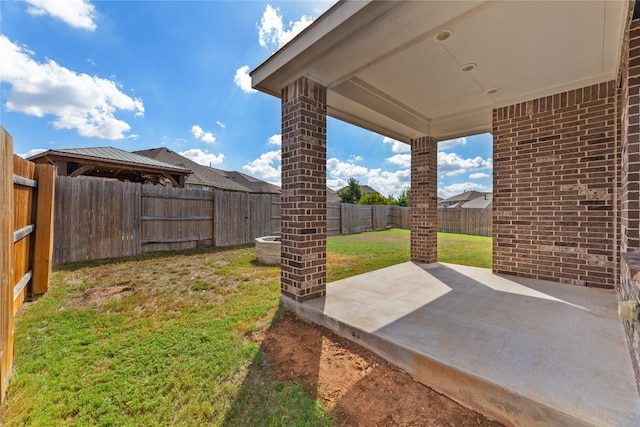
304	191
630	138
424	200
629	285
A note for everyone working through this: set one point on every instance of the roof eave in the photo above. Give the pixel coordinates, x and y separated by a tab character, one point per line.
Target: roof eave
285	65
115	163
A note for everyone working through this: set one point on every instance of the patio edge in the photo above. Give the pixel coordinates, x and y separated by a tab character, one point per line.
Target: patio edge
469	390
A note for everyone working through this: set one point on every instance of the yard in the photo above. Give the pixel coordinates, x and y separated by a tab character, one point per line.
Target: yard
196	337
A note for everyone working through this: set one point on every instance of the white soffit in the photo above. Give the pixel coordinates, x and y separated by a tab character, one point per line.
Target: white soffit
386	72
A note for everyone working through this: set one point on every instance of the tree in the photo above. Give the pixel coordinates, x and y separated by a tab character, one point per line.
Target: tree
404	198
351	193
375	199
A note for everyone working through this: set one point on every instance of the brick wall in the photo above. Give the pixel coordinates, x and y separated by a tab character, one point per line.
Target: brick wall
554	181
424	200
630	185
304	190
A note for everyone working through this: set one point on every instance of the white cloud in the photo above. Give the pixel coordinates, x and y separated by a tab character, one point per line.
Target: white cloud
397	146
273	33
339	169
78	101
445	145
403	160
275	139
461	187
354	158
77	13
479	175
387	183
32	152
243	80
219	123
203	157
266	167
450	164
198	133
337	183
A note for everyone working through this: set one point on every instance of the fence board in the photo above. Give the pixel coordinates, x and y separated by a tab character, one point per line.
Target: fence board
95	218
24	216
260	215
276	215
380	217
465	221
231	218
334	225
43	247
6	248
176	218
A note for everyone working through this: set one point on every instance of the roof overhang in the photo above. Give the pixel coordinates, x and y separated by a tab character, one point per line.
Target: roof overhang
52	156
386	70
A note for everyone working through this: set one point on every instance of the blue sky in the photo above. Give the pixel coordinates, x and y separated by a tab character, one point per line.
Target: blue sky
143	74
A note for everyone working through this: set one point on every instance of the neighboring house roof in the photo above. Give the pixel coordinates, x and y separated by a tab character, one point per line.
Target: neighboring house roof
332	196
463	197
468	199
254	184
208	176
364	188
109	154
479	202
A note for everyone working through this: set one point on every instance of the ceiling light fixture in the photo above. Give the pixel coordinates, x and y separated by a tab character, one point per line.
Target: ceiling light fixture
468	67
443	35
491	91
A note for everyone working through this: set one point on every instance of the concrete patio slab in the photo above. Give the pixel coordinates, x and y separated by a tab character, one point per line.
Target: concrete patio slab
524	352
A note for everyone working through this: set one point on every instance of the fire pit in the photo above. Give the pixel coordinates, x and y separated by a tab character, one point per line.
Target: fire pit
268	249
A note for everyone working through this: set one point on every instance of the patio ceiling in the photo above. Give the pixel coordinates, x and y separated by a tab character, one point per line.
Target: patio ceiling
386	71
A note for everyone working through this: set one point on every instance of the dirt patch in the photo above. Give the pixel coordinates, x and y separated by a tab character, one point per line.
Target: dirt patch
98	296
362	388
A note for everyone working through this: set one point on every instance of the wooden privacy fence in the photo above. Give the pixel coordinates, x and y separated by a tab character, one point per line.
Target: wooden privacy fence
97	218
345	218
26	204
465	221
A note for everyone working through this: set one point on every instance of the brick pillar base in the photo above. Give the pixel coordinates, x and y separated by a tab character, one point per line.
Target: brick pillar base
304	190
424	200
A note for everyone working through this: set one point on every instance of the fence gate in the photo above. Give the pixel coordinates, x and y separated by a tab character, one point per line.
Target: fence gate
26	242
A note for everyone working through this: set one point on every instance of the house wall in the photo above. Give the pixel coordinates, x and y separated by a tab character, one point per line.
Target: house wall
630	183
554	183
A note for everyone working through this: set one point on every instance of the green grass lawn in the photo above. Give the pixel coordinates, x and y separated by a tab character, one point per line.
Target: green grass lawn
464	249
165	339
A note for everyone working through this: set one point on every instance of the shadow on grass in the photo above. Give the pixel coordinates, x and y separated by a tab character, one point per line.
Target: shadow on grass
151	256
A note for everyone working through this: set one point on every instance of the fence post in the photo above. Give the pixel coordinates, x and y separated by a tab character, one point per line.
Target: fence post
43	247
6	263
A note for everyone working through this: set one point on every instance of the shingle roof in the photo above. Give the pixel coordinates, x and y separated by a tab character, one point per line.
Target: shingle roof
467	195
204	175
254	184
480	202
112	154
364	188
